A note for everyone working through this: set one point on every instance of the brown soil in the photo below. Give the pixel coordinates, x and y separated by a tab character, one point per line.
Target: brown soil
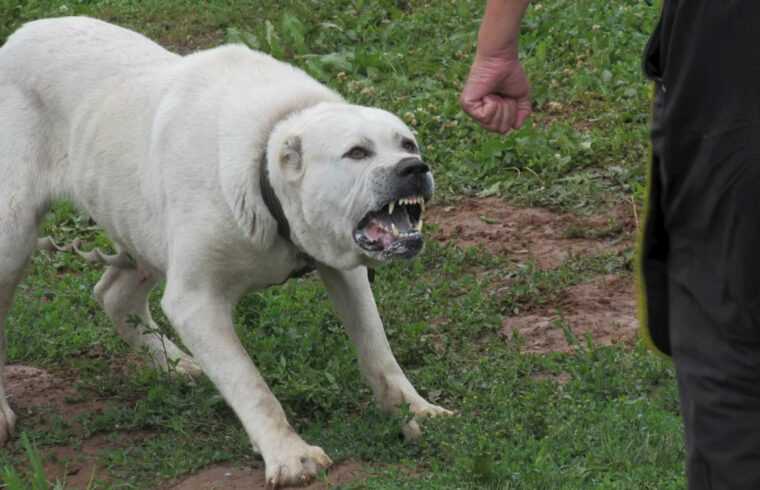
230	477
604	308
79	465
35	395
30	389
524	234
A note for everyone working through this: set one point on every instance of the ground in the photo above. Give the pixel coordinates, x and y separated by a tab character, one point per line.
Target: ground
519	314
602	308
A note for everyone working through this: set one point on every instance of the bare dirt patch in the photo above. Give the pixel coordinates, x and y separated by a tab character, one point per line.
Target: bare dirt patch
230	477
30	388
37	396
524	234
79	465
604	308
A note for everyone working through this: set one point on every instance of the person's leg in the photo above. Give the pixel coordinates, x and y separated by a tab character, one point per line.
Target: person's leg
719	387
714	295
711	207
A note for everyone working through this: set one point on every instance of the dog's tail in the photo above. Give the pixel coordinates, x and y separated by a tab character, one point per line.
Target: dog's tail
121	260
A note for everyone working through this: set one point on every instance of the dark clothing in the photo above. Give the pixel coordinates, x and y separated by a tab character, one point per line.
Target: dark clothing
700	256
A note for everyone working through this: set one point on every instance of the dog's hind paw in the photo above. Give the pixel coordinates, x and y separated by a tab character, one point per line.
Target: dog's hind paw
296	466
7	422
186	366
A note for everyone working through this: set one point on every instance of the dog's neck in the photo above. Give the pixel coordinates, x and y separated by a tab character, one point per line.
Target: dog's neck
275	209
272	201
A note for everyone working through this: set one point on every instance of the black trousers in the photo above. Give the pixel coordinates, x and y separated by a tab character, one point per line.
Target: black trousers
700	256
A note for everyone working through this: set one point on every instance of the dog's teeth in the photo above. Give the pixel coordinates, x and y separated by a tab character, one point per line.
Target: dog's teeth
418	226
394	229
390	207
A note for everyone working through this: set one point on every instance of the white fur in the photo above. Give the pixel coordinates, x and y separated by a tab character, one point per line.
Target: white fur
162	151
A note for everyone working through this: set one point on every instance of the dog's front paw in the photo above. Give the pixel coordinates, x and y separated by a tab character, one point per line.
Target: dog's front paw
422	409
427	409
7	422
296	463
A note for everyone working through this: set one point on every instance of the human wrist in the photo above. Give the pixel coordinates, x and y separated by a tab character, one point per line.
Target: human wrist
499	33
502	53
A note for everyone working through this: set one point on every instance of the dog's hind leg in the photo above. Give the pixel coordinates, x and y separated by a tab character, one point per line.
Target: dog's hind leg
16	246
23	202
18	239
123	294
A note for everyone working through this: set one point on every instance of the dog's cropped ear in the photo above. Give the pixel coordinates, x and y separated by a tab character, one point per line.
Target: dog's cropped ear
291	156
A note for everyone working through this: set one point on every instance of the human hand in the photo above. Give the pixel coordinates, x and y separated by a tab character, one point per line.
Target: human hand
497	93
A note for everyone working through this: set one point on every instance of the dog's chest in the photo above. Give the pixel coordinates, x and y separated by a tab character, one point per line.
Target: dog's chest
300	267
278	267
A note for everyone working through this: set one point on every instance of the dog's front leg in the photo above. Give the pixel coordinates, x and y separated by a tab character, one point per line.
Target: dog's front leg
204	323
351	294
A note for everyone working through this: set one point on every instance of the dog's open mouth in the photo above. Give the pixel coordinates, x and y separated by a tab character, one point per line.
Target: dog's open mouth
393	230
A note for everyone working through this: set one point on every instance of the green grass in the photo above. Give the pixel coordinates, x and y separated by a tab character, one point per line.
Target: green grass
613	425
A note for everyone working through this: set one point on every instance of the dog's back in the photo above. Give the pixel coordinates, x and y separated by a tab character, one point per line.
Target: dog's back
102	116
54	75
61	61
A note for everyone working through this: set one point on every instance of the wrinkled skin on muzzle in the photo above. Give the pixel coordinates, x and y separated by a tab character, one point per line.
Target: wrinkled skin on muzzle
353	184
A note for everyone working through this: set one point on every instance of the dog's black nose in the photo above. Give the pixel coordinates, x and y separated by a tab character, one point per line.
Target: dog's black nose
411	166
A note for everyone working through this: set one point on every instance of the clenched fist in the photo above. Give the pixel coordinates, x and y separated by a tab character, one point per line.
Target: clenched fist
497	93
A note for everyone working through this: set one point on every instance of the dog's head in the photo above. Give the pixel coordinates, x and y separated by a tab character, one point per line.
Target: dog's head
352	184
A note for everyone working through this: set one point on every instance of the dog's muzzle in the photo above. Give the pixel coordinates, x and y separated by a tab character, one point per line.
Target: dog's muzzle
395	228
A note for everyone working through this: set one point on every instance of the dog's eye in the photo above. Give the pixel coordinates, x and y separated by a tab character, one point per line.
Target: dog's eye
357	153
408	145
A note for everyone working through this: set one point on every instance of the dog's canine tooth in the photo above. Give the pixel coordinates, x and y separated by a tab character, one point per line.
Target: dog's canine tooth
418	226
394	230
390	207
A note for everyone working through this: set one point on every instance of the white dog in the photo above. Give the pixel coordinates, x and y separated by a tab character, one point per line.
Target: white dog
219	172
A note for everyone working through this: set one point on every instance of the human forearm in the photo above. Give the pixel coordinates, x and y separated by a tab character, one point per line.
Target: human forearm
497	92
500	29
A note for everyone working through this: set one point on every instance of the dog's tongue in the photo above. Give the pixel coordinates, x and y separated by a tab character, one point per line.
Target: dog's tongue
375	232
